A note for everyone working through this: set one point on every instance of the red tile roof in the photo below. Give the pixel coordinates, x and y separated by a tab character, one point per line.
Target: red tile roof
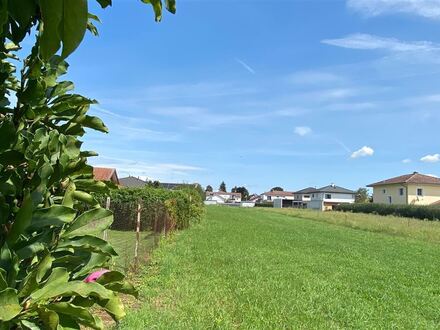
105	174
279	193
414	178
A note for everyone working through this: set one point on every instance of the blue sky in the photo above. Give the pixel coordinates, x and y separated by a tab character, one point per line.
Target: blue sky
266	93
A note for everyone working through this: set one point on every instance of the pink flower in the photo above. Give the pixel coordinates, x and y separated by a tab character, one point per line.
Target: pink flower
95	275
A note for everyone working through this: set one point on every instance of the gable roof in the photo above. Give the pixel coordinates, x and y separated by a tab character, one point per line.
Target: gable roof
132	182
335	189
105	174
218	193
278	193
414	178
308	190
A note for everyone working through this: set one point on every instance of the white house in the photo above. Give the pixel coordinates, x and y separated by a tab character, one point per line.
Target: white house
221	197
270	196
326	198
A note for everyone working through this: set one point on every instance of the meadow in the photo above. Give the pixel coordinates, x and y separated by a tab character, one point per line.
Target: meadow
261	269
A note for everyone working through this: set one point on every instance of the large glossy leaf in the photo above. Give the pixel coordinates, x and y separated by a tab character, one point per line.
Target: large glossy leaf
79	314
56	215
9	305
49	318
105	3
74	25
73	288
157	7
88	243
171	6
114	307
123	287
94	123
91	222
52	16
22	220
7	132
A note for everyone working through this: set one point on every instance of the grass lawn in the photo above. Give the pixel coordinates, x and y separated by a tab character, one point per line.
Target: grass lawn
254	269
124	244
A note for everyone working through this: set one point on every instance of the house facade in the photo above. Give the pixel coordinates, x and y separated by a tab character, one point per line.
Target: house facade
221	197
408	189
327	198
270	196
106	174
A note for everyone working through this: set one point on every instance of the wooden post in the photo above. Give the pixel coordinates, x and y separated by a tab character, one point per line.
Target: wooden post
138	229
107	206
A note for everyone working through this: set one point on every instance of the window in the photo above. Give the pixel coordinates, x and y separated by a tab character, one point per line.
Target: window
419	192
306	196
313	195
401	191
328	196
390	199
384	191
269	198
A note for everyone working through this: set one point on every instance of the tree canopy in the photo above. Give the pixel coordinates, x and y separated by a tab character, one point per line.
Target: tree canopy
277	189
222	187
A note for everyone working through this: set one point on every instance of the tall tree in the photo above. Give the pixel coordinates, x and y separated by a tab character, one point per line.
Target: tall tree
209	188
277	189
243	191
362	196
222	187
49	244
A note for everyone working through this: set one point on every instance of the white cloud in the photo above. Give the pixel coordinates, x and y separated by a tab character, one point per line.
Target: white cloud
431	158
425	8
245	65
406	161
433	175
371	42
363	152
303	130
314	78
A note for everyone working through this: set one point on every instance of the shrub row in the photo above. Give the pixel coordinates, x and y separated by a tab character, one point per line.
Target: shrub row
408	211
161	209
264	204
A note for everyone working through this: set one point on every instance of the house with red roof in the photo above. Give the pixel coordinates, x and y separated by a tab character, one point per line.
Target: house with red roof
408	189
105	174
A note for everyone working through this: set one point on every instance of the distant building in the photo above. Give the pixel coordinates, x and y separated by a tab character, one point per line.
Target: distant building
221	197
270	196
106	174
408	189
136	182
326	198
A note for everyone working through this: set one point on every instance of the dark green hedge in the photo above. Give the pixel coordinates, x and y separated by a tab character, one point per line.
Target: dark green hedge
408	211
264	204
160	208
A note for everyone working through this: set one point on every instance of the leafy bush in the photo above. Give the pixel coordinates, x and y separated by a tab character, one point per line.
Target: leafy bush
49	244
409	211
174	209
264	204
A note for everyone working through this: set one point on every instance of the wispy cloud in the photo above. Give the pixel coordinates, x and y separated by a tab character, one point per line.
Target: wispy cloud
435	158
425	8
245	65
372	42
303	130
314	78
363	152
406	161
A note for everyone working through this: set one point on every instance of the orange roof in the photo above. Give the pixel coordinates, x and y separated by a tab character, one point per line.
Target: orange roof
105	174
414	178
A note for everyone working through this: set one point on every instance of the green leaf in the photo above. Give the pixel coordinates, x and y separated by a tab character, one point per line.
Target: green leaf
122	287
8	134
114	307
9	305
49	318
105	3
171	6
79	314
52	16
157	7
74	25
22	11
91	222
27	325
44	267
3	282
22	220
94	123
91	185
88	243
58	278
56	215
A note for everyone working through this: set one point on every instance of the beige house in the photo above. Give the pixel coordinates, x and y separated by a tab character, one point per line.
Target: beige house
409	189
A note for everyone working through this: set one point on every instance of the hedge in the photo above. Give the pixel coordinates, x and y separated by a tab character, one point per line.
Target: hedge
161	209
264	204
408	211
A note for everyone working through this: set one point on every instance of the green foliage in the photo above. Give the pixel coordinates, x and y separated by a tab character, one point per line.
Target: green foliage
409	211
160	208
222	187
209	188
264	204
48	244
362	195
277	189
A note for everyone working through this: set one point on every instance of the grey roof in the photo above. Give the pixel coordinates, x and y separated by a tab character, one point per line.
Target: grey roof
132	182
308	190
335	189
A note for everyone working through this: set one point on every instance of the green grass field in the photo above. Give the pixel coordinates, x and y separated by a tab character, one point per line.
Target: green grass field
255	269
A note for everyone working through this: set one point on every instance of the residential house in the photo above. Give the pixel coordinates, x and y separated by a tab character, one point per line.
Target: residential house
326	198
132	182
106	174
408	189
270	196
221	197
